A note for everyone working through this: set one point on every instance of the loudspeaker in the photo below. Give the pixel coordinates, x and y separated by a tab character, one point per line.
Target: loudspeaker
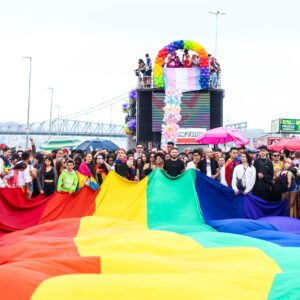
216	108
144	116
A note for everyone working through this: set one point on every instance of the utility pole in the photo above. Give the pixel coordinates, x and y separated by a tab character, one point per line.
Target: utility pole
28	105
217	14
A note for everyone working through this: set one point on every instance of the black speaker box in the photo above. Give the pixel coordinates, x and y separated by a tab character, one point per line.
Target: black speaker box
144	116
216	108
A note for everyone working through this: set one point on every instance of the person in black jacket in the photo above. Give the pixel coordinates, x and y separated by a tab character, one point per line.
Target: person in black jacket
208	165
264	175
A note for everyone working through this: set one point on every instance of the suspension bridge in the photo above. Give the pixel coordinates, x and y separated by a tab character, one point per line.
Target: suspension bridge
70	125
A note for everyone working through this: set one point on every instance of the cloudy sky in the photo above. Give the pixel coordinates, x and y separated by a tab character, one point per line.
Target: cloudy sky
87	50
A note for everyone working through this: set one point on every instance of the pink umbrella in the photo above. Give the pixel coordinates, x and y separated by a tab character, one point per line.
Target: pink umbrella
290	144
222	135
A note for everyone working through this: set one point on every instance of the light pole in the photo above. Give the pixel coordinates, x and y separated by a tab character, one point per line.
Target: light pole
58	129
28	106
217	14
50	120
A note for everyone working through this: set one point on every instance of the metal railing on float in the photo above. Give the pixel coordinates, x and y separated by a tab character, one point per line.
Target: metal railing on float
147	82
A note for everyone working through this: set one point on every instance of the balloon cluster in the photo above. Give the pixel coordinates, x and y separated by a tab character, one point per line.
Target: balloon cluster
181	45
171	116
127	130
132	125
223	94
132	96
125	108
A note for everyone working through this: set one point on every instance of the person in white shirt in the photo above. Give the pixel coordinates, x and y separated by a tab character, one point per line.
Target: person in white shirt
139	150
221	163
244	175
196	158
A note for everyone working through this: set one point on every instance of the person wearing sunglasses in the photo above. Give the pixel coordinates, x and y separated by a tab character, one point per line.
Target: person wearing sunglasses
139	150
278	165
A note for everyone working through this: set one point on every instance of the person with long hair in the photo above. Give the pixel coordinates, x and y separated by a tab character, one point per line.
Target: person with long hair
37	163
293	187
185	158
150	166
47	177
144	160
38	160
285	156
244	175
171	60
102	168
131	168
87	173
120	165
110	159
60	165
77	162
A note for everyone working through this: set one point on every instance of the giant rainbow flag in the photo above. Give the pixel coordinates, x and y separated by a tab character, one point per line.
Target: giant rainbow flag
161	238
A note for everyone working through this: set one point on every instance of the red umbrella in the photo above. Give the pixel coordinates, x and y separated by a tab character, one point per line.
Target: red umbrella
2	145
290	144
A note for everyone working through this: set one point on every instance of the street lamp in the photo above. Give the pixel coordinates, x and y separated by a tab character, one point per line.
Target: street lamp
28	105
217	14
58	128
50	120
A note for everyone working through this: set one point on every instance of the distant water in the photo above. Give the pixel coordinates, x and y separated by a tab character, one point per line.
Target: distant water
20	140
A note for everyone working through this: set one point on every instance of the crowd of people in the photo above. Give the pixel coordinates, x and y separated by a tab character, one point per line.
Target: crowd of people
270	176
144	69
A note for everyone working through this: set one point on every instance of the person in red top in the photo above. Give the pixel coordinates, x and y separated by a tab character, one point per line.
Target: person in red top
186	59
230	165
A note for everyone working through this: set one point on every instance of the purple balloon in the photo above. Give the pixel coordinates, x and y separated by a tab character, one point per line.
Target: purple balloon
132	95
132	125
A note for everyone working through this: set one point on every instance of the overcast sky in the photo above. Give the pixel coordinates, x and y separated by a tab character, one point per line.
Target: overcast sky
87	50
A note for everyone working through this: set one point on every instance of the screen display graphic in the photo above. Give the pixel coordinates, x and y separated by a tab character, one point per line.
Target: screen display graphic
195	110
